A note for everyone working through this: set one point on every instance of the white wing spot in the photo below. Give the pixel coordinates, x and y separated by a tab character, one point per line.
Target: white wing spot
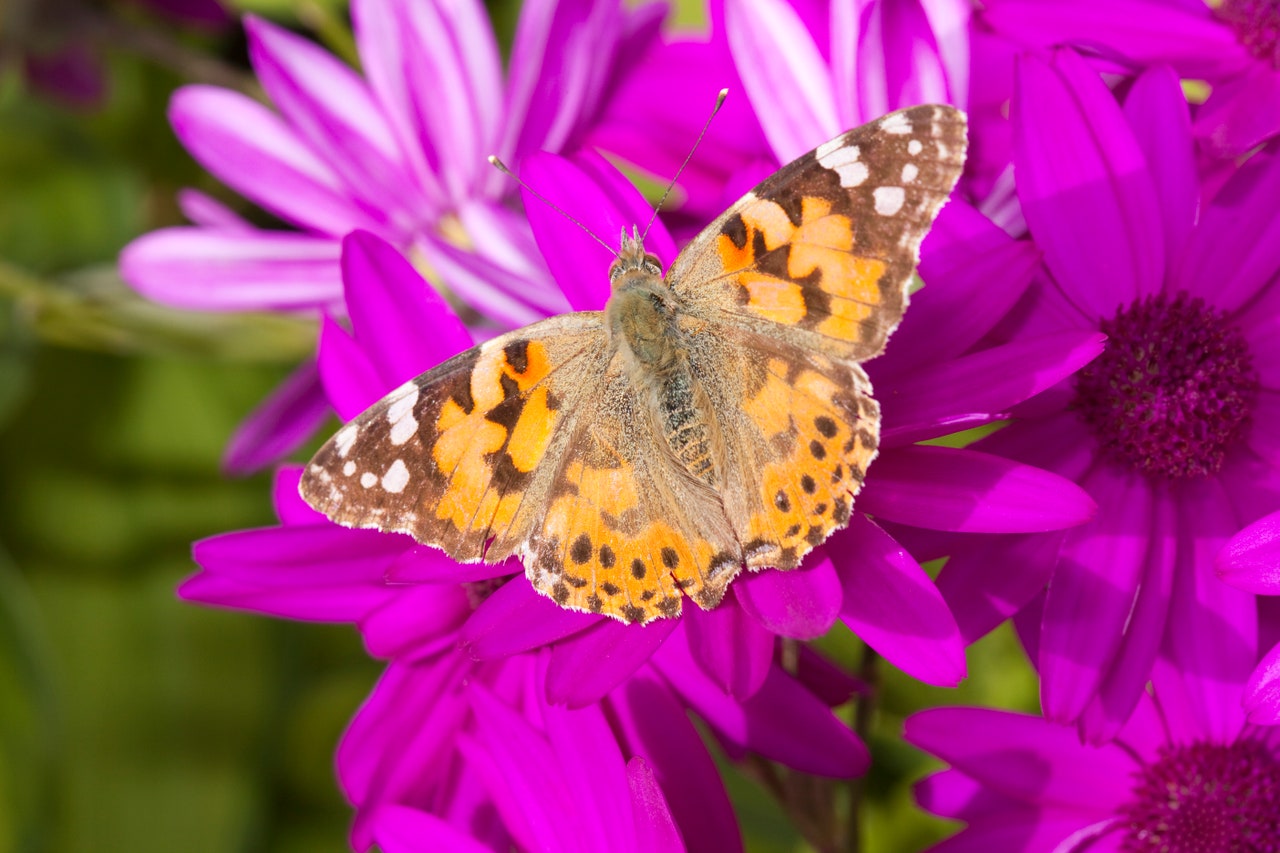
844	160
896	123
889	200
349	469
914	147
826	149
403	429
396	478
403	405
909	173
344	439
368	478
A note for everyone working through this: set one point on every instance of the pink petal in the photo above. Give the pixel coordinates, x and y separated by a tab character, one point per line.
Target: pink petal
330	106
1084	185
291	509
988	579
424	564
1092	592
944	488
801	603
206	211
516	619
891	603
400	829
1241	113
413	618
656	830
784	75
351	381
219	270
1262	692
1251	559
499	294
280	424
1023	757
589	664
251	150
400	321
730	645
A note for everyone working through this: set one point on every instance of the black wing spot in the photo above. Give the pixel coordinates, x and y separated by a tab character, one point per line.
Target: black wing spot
736	230
632	613
816	448
807	483
637	569
815	536
669	606
721	562
647	595
607	559
826	426
610	589
792	205
575	581
820	509
840	511
594	603
581	550
781	501
670	558
792	531
517	355
560	593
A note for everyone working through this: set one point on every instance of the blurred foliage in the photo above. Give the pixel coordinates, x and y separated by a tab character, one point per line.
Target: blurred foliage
129	720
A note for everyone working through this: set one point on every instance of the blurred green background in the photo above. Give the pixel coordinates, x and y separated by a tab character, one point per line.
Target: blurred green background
130	721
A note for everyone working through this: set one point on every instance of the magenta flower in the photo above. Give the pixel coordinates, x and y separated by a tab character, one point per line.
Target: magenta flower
422	723
1251	561
1186	773
400	152
1234	45
1171	428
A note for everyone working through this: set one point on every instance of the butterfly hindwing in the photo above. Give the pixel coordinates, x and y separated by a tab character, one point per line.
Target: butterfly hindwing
822	253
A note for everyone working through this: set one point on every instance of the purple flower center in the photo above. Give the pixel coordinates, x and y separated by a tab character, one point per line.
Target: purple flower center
1206	797
1257	26
1174	389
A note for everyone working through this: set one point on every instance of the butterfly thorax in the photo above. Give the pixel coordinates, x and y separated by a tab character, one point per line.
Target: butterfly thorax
643	319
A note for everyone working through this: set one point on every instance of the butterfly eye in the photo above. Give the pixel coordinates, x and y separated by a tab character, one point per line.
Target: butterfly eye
652	265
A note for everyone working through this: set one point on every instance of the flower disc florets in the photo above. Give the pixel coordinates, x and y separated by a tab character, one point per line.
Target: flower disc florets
1207	798
1257	26
1174	389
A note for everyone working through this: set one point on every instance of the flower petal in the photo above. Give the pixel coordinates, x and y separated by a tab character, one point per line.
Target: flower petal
219	270
587	665
801	603
1024	757
280	424
655	726
1084	185
351	382
892	604
400	321
250	149
784	75
331	107
1161	121
983	381
1092	592
1234	252
1183	34
979	587
655	830
400	829
424	564
945	488
499	294
1251	559
1241	113
516	619
1262	692
414	618
206	211
730	645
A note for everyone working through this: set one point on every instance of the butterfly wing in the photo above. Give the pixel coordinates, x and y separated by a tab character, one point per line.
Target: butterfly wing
457	456
626	529
821	254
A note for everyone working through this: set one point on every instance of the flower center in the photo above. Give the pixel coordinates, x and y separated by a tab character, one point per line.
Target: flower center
1206	798
1173	390
1257	26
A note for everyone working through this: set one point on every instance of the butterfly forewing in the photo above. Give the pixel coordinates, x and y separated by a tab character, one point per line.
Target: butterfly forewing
822	253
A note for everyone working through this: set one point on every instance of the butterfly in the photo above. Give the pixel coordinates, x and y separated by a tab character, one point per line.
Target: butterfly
708	420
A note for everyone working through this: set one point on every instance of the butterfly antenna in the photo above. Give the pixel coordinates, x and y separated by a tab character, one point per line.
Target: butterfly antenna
502	167
724	93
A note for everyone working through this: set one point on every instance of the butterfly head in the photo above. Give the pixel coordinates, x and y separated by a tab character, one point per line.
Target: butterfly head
633	261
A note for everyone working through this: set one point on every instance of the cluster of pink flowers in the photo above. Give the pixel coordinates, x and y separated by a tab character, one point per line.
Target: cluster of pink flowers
1101	298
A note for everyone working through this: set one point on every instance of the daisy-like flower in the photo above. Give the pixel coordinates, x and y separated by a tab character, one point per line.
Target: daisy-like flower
1172	428
1251	561
400	152
1234	45
432	735
1187	773
937	383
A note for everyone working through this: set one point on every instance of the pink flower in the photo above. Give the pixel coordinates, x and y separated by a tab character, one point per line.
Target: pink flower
1251	561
